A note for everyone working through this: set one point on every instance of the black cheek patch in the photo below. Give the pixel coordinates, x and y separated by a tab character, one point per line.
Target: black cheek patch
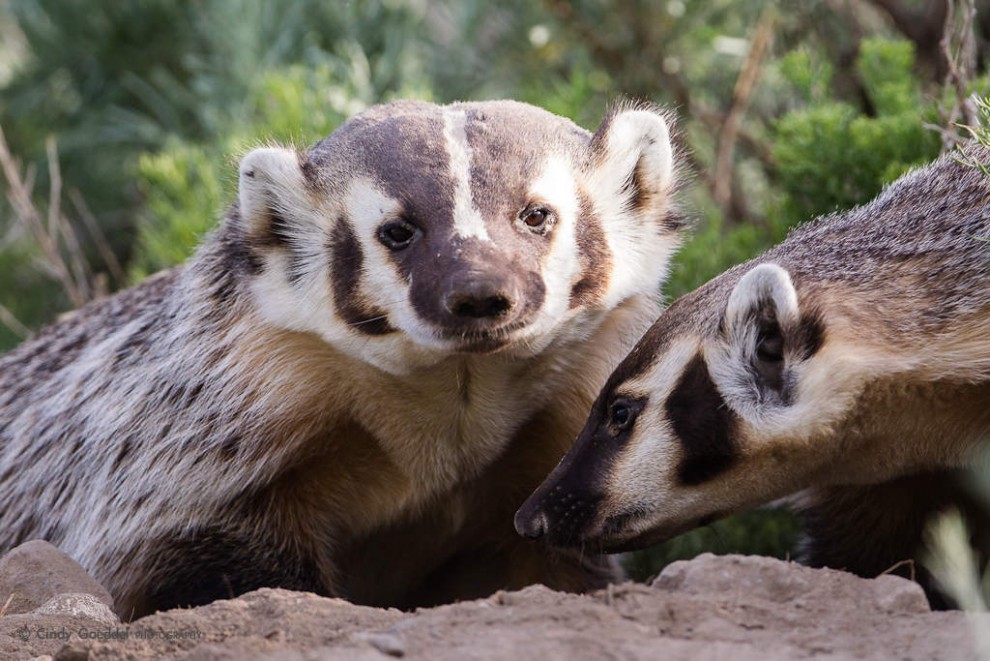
534	291
347	262
703	423
596	259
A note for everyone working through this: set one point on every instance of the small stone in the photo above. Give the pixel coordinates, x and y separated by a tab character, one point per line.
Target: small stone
36	571
78	605
899	595
754	576
385	643
72	652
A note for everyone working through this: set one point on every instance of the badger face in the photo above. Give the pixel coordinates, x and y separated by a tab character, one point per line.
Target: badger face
415	231
723	405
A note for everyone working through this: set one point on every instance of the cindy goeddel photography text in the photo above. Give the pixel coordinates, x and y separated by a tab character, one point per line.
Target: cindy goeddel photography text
27	633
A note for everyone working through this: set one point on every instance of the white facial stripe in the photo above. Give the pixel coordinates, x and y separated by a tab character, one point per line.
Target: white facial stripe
659	381
648	464
557	187
367	207
467	219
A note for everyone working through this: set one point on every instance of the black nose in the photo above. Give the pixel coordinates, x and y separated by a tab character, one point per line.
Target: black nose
530	525
478	302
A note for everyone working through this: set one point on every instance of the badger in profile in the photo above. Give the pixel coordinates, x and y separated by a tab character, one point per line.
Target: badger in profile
384	347
849	364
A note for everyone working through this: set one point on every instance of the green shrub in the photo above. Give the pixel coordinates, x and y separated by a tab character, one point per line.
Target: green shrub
832	155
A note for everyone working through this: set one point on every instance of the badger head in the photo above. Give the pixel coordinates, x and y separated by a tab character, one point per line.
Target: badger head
726	403
415	231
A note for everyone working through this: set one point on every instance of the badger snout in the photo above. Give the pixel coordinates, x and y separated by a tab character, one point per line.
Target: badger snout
559	516
477	298
531	524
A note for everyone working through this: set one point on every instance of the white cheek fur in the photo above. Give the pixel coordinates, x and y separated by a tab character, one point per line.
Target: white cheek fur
650	458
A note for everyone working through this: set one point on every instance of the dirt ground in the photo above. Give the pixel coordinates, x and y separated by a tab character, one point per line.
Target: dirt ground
729	607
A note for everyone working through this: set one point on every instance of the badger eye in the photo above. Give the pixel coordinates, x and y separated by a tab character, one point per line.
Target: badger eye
537	219
620	415
397	234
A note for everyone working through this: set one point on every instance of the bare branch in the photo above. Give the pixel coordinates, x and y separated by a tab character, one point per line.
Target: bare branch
922	26
916	26
24	209
958	50
98	237
745	84
75	279
615	57
8	319
58	224
55	187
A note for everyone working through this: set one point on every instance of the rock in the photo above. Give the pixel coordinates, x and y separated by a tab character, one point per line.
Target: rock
895	594
386	643
78	605
757	577
72	653
736	577
36	571
746	609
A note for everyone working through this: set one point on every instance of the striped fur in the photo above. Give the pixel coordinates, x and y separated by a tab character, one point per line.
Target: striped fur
361	373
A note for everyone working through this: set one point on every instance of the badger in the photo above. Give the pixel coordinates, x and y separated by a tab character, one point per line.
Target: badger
385	345
849	365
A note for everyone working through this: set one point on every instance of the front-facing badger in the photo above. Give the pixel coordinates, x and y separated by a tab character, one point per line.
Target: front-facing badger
388	342
851	364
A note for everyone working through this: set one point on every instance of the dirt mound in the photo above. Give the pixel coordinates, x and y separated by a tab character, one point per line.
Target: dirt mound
711	607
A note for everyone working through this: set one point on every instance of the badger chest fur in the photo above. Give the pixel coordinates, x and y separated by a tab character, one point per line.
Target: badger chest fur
386	344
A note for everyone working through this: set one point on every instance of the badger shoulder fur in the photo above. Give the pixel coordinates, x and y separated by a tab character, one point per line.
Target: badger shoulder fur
849	364
385	345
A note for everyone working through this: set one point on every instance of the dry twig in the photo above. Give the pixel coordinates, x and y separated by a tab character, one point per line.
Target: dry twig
74	275
98	237
14	324
654	76
958	50
59	224
6	604
745	84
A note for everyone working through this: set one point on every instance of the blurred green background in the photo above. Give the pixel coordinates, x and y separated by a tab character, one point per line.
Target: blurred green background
786	109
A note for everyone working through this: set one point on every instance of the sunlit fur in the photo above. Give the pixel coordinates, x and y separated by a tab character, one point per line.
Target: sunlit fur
224	424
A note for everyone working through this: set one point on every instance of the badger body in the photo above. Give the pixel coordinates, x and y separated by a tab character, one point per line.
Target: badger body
385	345
849	365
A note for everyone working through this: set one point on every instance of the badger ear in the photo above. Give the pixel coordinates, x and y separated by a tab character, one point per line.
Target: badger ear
270	187
632	160
762	326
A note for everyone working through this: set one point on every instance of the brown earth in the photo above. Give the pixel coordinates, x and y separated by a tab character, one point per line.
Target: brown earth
729	607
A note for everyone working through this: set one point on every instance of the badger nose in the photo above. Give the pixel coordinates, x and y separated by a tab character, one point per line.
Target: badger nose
478	300
530	525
